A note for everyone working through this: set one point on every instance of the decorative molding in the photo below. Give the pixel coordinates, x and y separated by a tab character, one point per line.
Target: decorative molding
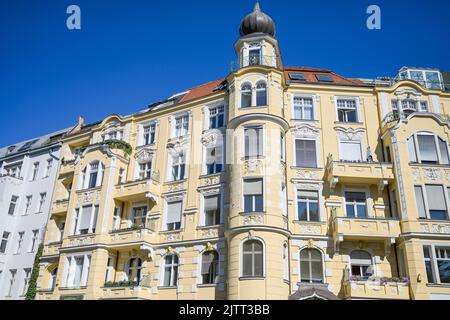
350	134
305	131
307	174
212	138
310	229
252	165
253	219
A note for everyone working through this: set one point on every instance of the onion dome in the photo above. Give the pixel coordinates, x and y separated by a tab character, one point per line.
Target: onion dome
257	22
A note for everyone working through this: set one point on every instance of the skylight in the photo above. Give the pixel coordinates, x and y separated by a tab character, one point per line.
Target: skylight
324	78
297	76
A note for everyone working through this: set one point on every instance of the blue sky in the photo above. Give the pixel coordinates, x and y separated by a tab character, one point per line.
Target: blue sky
130	53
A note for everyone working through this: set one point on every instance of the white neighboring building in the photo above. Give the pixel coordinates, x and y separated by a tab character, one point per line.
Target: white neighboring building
27	177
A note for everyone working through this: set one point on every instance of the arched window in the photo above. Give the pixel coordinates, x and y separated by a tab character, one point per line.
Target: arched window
261	94
170	270
361	264
253	259
246	95
311	267
133	269
210	266
428	148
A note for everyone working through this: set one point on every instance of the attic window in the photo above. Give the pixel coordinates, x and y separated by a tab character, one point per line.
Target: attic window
297	76
27	145
324	78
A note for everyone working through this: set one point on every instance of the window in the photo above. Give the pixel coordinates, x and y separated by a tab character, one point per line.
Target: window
134	268
110	269
178	167
297	76
437	264
34	240
170	270
434	206
246	95
181	126
254	56
324	78
423	106
12	280
35	171
139	216
77	271
253	259
305	153
145	170
361	264
308	205
85	220
285	262
116	219
113	135
303	108
347	110
12	205
428	148
253	141
212	210
4	243
210	266
41	202
355	204
28	205
261	94
216	117
26	280
14	170
93	175
350	151
48	168
311	270
149	134
121	176
61	228
283	147
253	195
174	211
409	106
52	283
214	162
20	238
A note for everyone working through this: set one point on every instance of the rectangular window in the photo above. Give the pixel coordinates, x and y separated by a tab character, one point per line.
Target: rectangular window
181	126
420	202
283	147
427	149
116	219
174	212
347	110
253	142
308	205
437	264
216	117
34	241
253	195
423	106
121	176
4	243
214	162
26	280
35	171
12	281
48	168
139	216
78	271
145	170
86	220
178	167
28	205
149	134
436	202
303	108
20	238
350	151
12	205
93	174
42	198
443	264
305	153
355	203
212	210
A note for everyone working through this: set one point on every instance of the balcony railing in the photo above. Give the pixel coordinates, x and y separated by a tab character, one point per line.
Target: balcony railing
395	116
254	60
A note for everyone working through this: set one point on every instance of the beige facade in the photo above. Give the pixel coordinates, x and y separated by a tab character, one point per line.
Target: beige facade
313	184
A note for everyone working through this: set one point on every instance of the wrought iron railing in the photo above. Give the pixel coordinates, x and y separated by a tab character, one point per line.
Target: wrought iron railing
254	60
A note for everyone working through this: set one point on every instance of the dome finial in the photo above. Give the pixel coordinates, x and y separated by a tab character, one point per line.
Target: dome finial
257	22
257	7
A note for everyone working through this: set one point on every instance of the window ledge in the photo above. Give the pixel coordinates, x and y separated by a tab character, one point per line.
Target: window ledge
416	164
89	189
171	231
174	182
438	285
167	288
434	220
251	278
210	227
252	212
305	120
309	222
307	168
73	288
207	285
253	107
76	236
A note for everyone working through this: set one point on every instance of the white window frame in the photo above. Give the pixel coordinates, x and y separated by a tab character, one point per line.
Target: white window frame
34	240
425	199
35	171
241	258
69	270
304	96
369	201
433	260
77	220
20	240
152	131
172	273
359	117
436	144
361	145
320	202
28	203
48	168
263	180
322	259
202	219
294	150
41	203
177	129
166	207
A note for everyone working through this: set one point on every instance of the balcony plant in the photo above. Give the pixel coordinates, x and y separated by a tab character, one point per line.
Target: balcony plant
119	144
121	284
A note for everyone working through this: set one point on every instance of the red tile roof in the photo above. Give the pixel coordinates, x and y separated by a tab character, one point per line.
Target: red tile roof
310	75
202	90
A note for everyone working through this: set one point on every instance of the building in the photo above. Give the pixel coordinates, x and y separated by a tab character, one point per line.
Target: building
273	182
27	176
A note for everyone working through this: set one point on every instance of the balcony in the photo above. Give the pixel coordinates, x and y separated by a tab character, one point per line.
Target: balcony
127	290
395	116
254	60
376	288
135	190
67	167
131	237
365	229
60	206
359	172
52	248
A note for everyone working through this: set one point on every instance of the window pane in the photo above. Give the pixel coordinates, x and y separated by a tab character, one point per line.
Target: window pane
316	268
302	211
248	203
305	151
350	211
259	203
436	197
305	271
420	202
258	265
247	265
444	151
427	148
412	150
444	271
313	211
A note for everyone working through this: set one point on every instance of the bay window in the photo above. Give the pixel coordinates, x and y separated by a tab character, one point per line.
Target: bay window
253	195
85	220
355	204
77	271
431	202
427	148
139	216
305	153
311	267
261	94
437	264
246	95
134	270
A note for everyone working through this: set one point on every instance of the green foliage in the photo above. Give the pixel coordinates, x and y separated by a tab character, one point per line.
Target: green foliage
121	284
31	292
119	144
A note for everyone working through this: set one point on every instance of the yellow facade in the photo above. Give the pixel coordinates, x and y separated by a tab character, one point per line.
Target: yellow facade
125	253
